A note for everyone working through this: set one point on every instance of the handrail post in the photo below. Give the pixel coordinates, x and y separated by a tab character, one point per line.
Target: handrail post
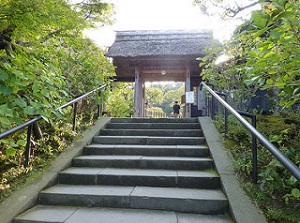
254	152
212	110
99	111
74	116
209	108
226	117
28	145
206	104
225	113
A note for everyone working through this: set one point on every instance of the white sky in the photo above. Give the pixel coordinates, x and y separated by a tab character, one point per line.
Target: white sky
159	15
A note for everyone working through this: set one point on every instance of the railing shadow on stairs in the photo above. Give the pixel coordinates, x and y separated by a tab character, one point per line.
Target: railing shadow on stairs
282	158
32	122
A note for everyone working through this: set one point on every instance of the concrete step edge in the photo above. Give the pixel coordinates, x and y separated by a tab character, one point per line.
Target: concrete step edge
152	126
147	150
45	214
154	120
149	140
202	201
139	177
101	146
151	137
144	162
137	158
152	132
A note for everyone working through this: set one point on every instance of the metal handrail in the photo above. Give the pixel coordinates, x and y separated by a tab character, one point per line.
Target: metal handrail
283	159
81	97
20	127
31	122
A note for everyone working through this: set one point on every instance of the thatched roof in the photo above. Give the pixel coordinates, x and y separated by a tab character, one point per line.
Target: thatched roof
160	43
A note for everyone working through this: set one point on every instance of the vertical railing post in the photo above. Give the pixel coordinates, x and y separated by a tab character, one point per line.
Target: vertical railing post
226	117
212	105
28	145
209	106
212	111
74	116
99	111
254	151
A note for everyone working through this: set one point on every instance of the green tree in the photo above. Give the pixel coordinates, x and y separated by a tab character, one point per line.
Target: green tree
163	95
264	54
153	96
45	61
274	61
170	97
120	101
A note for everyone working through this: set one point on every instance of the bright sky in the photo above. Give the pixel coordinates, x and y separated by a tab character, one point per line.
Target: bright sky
159	15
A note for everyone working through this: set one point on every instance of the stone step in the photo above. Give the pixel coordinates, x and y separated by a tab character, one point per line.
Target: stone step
148	150
66	214
144	162
154	120
198	201
140	177
152	126
152	132
149	140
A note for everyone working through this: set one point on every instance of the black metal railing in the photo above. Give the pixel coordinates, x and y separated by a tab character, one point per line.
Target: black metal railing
285	161
253	122
30	124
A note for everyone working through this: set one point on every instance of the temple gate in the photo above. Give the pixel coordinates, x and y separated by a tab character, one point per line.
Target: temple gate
144	55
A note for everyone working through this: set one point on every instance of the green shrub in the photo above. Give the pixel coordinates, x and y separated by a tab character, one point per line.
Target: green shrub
277	191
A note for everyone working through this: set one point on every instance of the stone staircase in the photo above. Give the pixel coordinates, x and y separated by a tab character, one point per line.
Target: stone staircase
137	170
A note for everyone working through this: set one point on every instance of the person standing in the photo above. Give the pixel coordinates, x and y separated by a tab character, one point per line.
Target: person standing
176	108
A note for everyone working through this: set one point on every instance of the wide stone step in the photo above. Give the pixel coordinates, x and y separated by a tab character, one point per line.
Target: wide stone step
144	162
152	132
149	140
200	201
154	120
140	177
148	150
152	126
64	214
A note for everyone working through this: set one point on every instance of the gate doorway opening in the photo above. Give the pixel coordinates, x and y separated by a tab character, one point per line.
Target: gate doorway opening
160	97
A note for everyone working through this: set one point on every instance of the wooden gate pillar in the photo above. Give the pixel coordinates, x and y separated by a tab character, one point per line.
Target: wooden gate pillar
138	94
188	107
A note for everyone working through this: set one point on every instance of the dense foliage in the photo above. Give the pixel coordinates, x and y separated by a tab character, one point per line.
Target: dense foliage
120	101
264	54
162	96
45	61
277	191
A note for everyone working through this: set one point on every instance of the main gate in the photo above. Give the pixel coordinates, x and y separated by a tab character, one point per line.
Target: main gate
144	55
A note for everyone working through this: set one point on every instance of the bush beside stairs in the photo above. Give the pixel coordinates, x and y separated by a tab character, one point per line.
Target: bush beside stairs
138	170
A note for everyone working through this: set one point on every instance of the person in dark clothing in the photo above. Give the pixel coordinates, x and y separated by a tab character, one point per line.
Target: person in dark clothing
176	108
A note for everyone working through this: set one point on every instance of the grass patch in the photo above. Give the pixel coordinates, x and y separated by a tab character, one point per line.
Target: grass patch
24	180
